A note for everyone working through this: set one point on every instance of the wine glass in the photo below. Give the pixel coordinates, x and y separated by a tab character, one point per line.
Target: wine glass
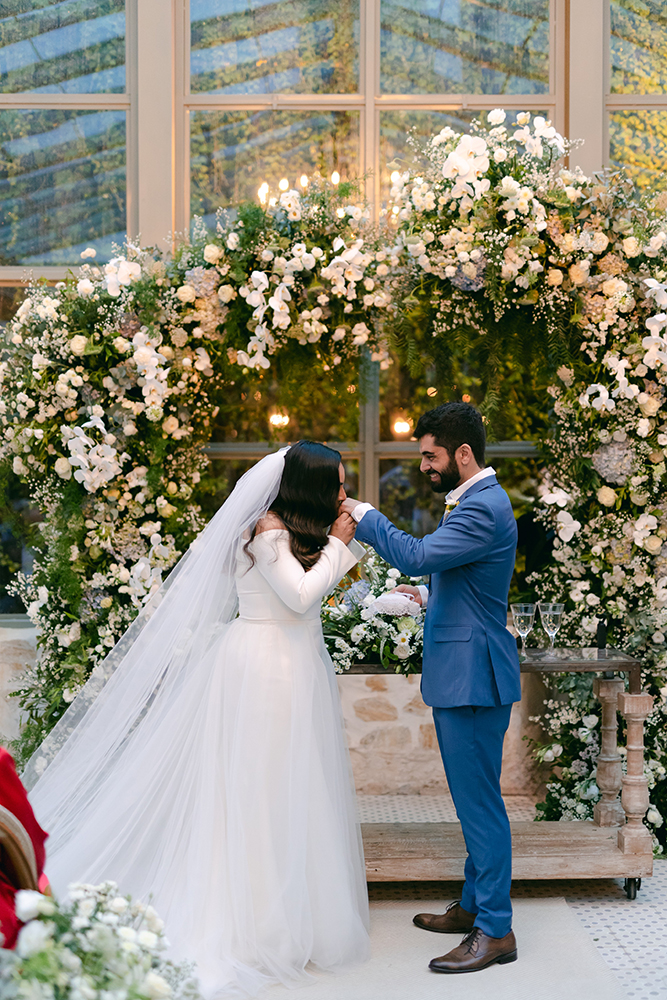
524	618
550	615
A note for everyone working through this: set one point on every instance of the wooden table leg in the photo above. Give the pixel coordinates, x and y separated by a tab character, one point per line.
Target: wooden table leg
609	811
634	837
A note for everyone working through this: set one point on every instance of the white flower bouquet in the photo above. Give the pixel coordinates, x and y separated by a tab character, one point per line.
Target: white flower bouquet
364	622
98	945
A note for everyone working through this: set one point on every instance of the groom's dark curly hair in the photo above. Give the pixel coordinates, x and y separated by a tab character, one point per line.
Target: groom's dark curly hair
452	425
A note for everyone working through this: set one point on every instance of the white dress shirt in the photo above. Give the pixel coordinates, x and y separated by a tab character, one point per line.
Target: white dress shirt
452	497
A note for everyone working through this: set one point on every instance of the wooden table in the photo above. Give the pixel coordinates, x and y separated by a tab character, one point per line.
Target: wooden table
615	844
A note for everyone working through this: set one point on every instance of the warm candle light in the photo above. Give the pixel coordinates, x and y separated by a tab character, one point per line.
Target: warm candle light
340	212
401	425
283	184
278	420
395	177
335	177
263	192
303	180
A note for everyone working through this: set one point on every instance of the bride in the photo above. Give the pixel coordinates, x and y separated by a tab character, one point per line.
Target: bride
205	764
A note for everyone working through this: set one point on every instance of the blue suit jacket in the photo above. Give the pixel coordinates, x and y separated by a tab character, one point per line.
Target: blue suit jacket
469	656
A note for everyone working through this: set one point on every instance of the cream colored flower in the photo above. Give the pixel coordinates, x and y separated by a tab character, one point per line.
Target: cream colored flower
212	253
606	496
170	425
653	544
554	277
226	293
649	405
186	293
631	247
78	344
63	468
579	273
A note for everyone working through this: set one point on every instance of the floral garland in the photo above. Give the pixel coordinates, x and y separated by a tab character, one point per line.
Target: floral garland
363	623
109	386
96	943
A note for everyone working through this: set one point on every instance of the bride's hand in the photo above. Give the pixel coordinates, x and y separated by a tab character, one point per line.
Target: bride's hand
344	528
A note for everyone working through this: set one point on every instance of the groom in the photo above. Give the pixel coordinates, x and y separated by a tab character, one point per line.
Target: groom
471	667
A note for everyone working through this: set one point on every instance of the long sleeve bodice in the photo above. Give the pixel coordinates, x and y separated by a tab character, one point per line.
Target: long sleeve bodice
278	588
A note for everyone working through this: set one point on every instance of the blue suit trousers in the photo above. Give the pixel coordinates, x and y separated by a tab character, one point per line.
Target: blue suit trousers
471	744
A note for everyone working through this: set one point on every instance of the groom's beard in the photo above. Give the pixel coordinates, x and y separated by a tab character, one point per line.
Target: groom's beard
447	480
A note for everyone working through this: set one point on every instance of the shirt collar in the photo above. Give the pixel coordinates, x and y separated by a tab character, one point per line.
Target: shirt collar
455	495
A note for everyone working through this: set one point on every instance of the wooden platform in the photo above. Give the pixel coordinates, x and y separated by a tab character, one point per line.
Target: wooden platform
398	852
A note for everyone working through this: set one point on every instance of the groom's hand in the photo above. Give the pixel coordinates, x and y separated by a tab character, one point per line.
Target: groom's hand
349	504
405	588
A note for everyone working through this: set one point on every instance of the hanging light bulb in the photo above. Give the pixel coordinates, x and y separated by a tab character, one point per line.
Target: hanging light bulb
283	184
395	177
401	425
278	419
340	212
335	177
263	192
303	180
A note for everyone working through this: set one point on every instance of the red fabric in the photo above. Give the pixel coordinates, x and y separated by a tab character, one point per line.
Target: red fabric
13	797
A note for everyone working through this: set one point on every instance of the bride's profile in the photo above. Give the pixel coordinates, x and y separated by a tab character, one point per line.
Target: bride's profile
204	764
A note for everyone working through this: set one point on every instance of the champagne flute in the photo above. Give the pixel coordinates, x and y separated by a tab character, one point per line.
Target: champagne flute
523	616
550	615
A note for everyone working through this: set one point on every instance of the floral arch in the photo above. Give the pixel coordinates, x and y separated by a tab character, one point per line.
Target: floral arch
491	252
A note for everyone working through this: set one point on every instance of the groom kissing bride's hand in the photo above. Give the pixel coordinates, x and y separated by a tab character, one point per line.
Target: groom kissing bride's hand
470	673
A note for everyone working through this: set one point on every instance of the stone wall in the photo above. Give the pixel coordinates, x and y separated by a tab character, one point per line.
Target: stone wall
393	743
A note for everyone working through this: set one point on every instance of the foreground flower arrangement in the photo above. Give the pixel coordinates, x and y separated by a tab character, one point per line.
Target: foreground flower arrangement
110	384
364	623
97	944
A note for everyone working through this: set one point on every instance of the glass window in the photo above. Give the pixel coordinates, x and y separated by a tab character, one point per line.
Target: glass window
464	47
396	126
286	405
233	152
62	184
75	47
288	46
638	142
638	47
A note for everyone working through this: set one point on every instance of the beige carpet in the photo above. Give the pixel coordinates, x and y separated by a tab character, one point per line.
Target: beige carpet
557	961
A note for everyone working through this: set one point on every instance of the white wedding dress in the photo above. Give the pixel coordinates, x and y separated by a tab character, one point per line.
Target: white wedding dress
228	797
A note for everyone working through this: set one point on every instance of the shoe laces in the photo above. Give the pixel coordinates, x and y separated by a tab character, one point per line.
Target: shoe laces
472	940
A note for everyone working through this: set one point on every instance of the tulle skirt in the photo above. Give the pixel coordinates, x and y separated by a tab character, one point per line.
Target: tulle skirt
237	816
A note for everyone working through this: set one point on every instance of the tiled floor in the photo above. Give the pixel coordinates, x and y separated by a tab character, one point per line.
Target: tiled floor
428	808
631	935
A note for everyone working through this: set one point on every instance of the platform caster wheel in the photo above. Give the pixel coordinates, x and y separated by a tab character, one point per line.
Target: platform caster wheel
632	887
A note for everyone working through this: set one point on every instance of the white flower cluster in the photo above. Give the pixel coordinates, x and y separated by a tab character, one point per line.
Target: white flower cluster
367	623
98	945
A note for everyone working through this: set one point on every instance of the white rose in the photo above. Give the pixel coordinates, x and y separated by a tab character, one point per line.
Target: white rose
643	427
129	428
654	817
156	987
500	155
78	344
339	333
653	544
554	277
19	467
147	939
85	287
557	749
649	405
578	273
233	241
606	496
497	116
33	938
121	345
186	293
170	425
29	904
590	721
226	293
631	247
63	468
212	253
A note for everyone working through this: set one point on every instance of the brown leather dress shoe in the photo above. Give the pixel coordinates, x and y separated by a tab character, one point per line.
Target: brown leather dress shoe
454	920
477	951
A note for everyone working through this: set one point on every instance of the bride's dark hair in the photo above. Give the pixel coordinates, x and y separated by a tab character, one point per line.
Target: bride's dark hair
307	501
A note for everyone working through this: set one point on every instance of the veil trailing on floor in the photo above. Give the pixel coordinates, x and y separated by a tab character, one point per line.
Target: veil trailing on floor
150	664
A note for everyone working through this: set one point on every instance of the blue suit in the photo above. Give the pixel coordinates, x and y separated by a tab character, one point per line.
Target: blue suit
470	672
